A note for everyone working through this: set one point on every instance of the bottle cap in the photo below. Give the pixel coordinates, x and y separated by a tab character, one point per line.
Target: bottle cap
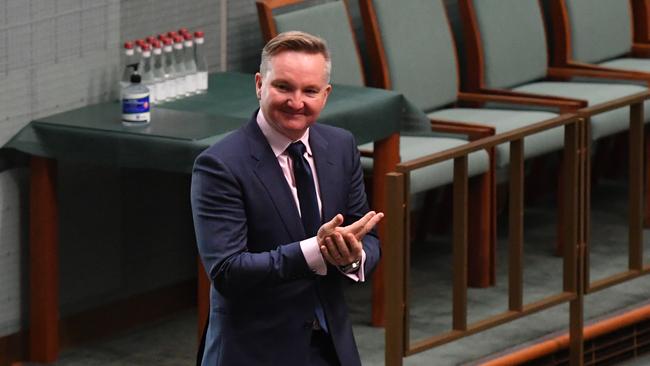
136	78
150	39
171	34
198	34
156	43
168	41
183	31
187	36
178	39
145	47
128	45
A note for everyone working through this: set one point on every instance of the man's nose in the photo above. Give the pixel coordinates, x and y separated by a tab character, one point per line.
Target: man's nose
296	100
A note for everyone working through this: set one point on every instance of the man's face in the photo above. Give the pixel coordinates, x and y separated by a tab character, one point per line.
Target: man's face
293	92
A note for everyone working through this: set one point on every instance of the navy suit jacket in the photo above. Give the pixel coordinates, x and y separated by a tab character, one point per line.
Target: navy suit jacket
248	231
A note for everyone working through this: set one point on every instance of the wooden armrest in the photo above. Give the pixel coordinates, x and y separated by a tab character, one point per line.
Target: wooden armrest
596	72
366	153
473	131
640	50
512	97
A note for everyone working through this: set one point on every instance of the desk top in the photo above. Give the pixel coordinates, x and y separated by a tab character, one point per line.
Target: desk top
180	130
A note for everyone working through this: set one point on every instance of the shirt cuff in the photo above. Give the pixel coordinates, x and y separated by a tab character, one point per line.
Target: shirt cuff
313	256
359	275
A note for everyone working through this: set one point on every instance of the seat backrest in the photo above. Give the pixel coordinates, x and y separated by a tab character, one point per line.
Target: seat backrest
600	29
509	38
331	22
413	39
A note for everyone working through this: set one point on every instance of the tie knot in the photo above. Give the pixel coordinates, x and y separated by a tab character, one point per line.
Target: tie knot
296	150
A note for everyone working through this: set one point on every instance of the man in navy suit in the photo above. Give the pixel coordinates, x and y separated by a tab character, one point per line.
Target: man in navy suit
282	220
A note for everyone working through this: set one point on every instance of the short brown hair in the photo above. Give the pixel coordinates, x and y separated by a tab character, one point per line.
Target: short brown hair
295	41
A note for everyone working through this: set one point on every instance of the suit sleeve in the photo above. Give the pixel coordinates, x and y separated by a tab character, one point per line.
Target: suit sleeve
220	224
357	207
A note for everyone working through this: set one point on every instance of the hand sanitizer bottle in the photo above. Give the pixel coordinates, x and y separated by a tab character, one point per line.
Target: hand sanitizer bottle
135	102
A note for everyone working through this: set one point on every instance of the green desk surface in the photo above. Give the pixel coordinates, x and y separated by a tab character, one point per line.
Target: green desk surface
180	130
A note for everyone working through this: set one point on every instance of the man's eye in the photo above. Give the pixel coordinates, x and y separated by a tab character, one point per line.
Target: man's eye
282	87
311	91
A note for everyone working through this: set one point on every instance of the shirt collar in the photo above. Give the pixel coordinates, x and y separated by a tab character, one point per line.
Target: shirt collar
278	141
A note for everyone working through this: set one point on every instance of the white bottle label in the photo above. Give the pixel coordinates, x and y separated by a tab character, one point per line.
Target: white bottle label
202	77
170	85
161	92
181	86
136	108
190	81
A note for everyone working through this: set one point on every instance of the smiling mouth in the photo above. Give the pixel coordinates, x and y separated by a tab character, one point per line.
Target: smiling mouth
294	113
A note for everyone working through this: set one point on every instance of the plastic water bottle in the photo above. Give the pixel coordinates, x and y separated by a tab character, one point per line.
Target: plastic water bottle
135	102
168	67
129	60
190	64
179	67
159	73
147	73
201	63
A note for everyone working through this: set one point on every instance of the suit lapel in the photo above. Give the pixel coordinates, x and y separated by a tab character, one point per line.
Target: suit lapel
270	175
326	170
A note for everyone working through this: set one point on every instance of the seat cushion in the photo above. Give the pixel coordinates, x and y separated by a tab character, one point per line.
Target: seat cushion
504	120
603	124
435	175
628	63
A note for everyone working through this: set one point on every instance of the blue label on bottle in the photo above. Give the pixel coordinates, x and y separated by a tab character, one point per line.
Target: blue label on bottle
135	105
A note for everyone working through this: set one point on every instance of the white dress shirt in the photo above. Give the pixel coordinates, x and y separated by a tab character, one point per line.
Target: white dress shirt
279	144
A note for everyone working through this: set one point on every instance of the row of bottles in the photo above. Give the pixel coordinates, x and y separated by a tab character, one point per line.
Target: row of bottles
171	66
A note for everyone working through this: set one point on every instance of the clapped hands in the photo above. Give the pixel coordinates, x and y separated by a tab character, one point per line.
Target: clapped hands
341	245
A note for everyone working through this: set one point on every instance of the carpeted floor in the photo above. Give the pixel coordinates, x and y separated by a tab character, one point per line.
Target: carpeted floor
172	340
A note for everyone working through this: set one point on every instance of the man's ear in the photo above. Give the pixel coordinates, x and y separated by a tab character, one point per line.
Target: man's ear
258	85
327	91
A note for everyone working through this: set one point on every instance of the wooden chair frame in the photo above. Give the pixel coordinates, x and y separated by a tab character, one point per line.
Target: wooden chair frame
483	226
562	56
476	82
561	33
380	77
641	20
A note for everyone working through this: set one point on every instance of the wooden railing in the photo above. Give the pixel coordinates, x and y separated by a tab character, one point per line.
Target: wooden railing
575	214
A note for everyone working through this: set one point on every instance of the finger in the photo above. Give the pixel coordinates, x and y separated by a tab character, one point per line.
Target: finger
371	224
324	251
358	225
355	247
332	248
329	227
342	246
